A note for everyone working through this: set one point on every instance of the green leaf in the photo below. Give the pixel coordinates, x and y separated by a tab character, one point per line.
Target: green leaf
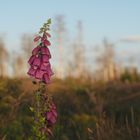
49	21
32	109
46	26
42	120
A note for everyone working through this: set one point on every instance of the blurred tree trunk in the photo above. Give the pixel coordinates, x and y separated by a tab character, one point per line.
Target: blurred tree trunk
60	32
3	59
79	52
106	60
20	65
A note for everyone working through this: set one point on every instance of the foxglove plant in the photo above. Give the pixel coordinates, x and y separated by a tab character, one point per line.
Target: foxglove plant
44	109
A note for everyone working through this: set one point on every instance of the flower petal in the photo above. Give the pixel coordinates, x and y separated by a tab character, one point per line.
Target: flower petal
31	72
36	38
45	58
39	74
36	62
47	34
49	115
46	78
36	50
46	42
53	119
49	70
44	66
45	50
30	61
54	113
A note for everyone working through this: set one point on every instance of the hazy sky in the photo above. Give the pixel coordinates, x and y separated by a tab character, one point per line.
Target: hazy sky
114	19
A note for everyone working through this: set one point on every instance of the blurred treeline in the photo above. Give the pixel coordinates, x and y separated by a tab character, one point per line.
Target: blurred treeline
71	55
87	110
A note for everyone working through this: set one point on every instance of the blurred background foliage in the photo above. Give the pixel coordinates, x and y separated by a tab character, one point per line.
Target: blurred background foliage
87	109
96	87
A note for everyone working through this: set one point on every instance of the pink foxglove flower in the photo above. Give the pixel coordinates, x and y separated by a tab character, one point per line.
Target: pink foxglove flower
40	67
47	34
51	115
36	50
37	38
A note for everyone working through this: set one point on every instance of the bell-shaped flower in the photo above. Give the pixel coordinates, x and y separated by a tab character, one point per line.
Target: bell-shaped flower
45	58
37	38
36	62
39	74
46	78
40	67
45	50
46	43
50	72
31	60
44	66
47	34
51	115
31	72
36	50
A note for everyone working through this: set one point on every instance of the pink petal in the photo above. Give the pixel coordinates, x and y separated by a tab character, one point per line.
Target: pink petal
47	34
36	50
36	38
30	61
46	42
31	72
36	62
54	113
46	78
45	58
45	50
53	106
35	67
43	38
39	74
44	66
49	115
53	119
49	70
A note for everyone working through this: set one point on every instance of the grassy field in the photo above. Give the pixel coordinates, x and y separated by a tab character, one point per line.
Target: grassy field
86	110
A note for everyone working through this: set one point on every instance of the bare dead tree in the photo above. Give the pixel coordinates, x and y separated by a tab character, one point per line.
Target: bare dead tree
27	45
107	61
60	32
79	51
18	66
3	59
